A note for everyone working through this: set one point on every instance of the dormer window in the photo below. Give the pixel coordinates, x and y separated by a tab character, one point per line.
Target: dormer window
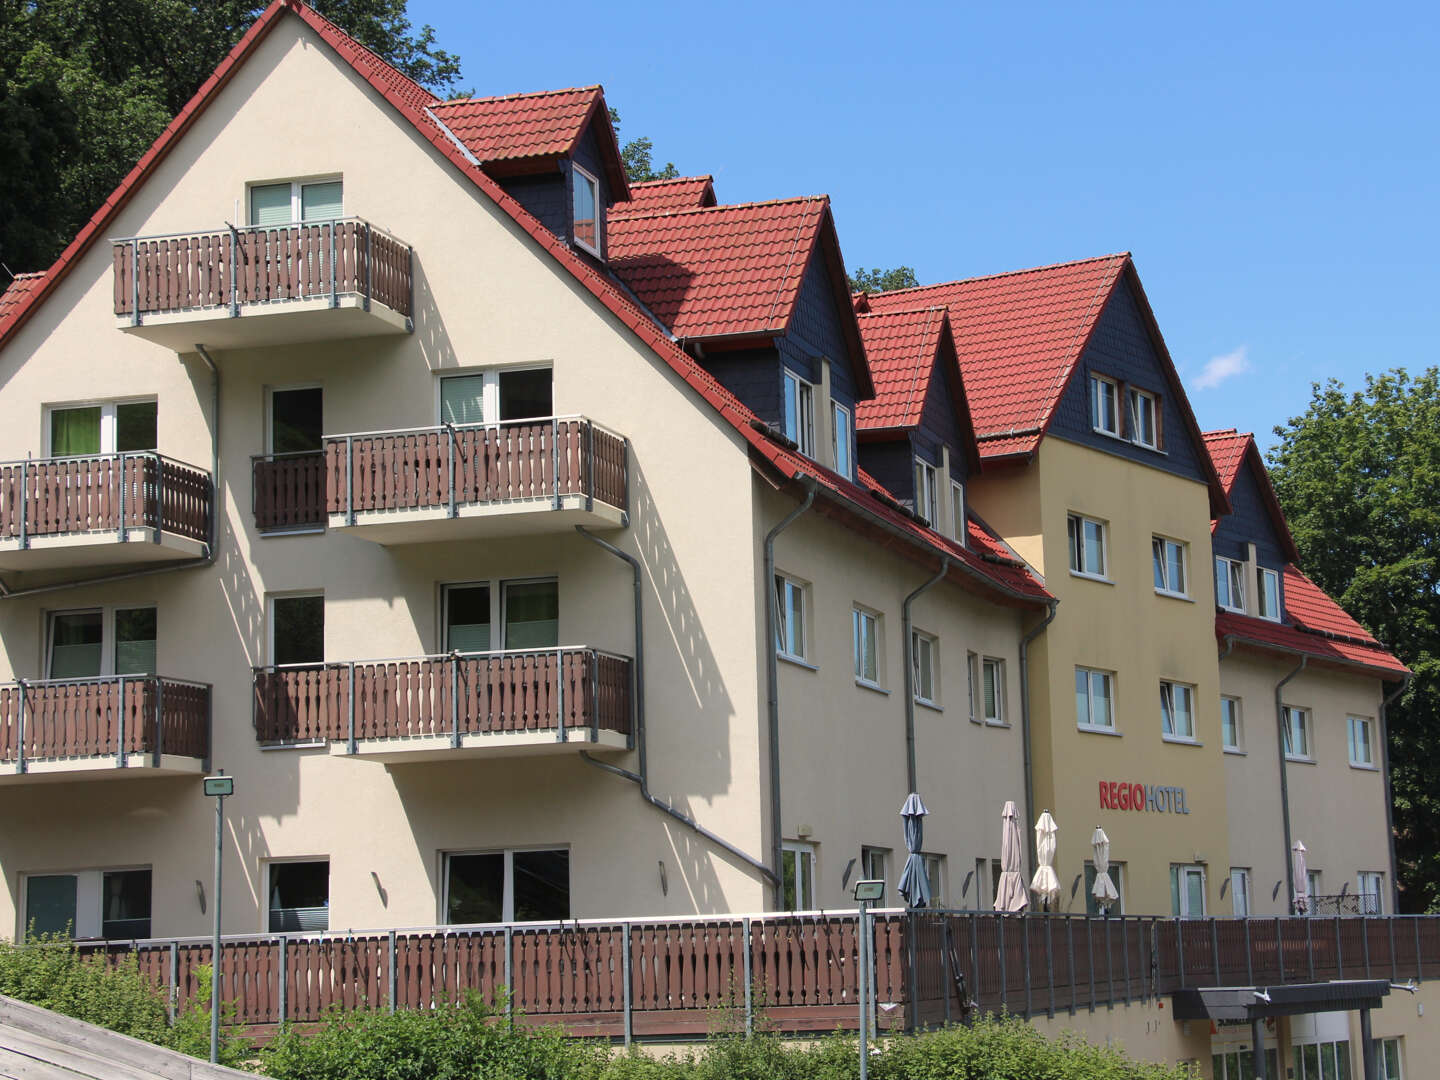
840	440
1267	596
1141	415
957	510
799	416
927	495
1230	584
295	200
1105	405
587	211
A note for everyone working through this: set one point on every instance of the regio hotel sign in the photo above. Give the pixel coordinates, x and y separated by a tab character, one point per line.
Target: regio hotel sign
1118	795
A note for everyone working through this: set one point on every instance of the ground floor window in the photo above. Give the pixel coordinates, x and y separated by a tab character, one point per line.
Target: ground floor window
874	862
1240	890
89	904
1117	875
935	874
1390	1060
1187	891
1240	1065
507	886
1322	1061
299	896
797	872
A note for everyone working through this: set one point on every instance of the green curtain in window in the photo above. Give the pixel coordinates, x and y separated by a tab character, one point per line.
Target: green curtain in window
75	431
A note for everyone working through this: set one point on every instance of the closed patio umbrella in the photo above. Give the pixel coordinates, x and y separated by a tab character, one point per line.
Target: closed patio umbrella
1104	889
1045	885
914	884
1010	893
1302	878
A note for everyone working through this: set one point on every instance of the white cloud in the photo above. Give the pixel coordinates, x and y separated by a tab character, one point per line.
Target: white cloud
1220	368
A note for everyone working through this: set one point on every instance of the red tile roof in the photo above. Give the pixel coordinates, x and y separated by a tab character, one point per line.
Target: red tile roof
1264	634
844	497
1229	449
663	196
1311	608
18	291
544	124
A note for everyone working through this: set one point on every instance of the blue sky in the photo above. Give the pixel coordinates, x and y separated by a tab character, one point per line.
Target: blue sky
1274	168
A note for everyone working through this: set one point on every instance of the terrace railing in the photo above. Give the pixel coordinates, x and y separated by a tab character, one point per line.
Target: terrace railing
288	491
104	492
122	715
230	268
526	690
451	467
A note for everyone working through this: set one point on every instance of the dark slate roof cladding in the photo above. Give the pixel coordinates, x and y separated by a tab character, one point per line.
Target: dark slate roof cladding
1121	348
815	331
547	197
753	376
587	155
889	464
939	424
1249	522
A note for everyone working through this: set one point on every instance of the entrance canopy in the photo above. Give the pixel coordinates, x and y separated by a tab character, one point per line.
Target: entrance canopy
1258	1002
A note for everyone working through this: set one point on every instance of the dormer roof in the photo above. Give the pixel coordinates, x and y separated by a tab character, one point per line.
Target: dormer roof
661	196
1230	450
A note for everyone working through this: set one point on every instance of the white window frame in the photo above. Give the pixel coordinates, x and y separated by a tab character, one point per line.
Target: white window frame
799	393
1384	1070
1161	546
867	625
1240	887
1371	883
927	492
270	392
958	517
594	182
935	873
270	598
1263	575
1238	747
1314	882
1109	676
489	390
1133	427
1103	384
779	588
89	892
974	688
107	613
497	587
801	850
269	865
1174	691
1368	725
931	643
1075	523
297	187
1118	872
1232	571
109	427
1190	870
869	854
507	901
842	436
1290	712
992	669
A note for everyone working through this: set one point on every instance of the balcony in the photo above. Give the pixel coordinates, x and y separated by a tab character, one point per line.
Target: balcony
429	708
134	507
262	286
101	728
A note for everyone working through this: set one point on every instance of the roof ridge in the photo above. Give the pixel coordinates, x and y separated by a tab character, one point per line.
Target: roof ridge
1229	433
674	180
727	206
1006	273
921	310
523	94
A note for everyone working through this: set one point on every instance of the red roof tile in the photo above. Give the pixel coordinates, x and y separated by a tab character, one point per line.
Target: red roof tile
1313	609
1229	449
18	291
663	196
1263	633
544	124
901	348
848	497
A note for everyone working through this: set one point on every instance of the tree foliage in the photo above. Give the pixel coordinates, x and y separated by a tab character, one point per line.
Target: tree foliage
87	85
1358	476
897	277
638	157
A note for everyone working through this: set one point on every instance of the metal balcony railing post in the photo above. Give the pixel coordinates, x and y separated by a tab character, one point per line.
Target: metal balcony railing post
369	273
159	720
172	998
1070	947
1249	955
589	465
1110	961
1309	948
20	729
410	286
450	431
1394	964
560	695
1215	947
510	970
134	282
1004	976
123	484
1339	956
455	700
350	737
594	696
1279	950
749	978
24	503
1365	945
283	990
349	479
555	457
120	728
394	979
334	294
626	962
234	277
159	496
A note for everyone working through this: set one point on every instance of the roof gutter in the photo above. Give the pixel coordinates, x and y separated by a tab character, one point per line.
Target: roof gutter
772	679
1389	795
211	544
637	689
1025	728
909	651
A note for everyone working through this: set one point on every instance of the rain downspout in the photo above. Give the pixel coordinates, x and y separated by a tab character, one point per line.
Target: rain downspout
642	778
909	649
208	559
1025	738
1285	782
772	680
1389	797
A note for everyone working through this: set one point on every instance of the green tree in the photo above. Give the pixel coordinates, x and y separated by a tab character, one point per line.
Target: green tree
1357	476
638	157
898	277
87	85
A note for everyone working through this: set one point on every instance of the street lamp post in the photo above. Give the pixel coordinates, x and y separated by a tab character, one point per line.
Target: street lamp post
217	787
866	892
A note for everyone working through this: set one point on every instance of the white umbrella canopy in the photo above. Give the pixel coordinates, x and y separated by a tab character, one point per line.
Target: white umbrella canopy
1104	889
1010	891
1046	885
1302	878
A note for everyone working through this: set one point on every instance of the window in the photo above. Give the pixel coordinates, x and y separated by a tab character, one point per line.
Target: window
875	863
840	441
1240	891
1371	886
1104	405
587	211
284	203
1142	418
972	684
1117	877
1297	734
790	626
1232	732
296	421
924	652
993	684
527	614
1168	557
926	492
103	641
1094	700
507	886
797	874
111	904
957	511
106	428
1362	755
1177	711
497	396
297	629
865	632
299	896
1240	1064
1322	1060
1268	594
1390	1059
1312	889
1230	584
1187	891
935	874
799	408
1087	546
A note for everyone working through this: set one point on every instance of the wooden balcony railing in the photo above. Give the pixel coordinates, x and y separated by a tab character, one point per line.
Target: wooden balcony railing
108	492
229	268
288	491
97	717
454	695
451	467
